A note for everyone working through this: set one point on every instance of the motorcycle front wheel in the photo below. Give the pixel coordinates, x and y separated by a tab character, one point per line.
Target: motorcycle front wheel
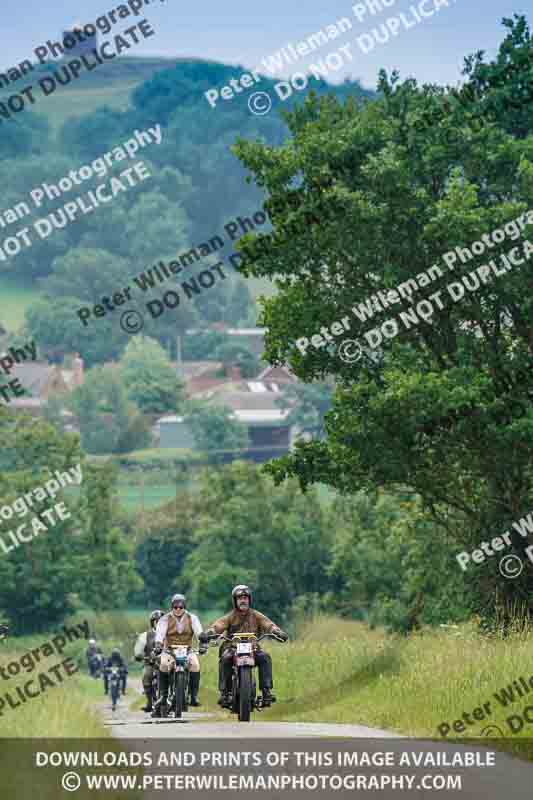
245	694
179	694
114	695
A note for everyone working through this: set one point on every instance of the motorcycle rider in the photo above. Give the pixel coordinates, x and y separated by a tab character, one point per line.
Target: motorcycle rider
177	627
143	652
115	660
243	619
94	658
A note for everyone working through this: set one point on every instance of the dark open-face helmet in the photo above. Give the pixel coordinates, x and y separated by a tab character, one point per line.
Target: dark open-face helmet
155	616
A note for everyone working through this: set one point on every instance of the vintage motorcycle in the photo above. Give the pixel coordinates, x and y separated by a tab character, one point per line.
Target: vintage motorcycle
179	680
244	697
114	685
96	665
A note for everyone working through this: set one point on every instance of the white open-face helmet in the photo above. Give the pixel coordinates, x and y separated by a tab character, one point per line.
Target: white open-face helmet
241	588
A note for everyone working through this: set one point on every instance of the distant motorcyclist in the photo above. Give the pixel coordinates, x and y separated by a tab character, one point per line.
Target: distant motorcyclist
115	660
178	627
243	619
95	658
143	652
4	630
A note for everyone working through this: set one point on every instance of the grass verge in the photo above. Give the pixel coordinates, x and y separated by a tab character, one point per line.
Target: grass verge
341	671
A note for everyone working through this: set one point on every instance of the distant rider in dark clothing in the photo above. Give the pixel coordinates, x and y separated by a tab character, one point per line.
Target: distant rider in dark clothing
115	660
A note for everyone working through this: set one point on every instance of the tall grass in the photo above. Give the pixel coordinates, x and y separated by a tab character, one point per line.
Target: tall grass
62	711
341	671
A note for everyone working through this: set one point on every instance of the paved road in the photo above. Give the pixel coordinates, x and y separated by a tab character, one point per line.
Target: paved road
127	724
508	777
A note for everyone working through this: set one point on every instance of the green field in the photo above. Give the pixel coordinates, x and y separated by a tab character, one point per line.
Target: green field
15	299
110	85
62	105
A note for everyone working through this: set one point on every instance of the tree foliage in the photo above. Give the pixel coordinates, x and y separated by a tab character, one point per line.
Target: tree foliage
249	534
149	378
363	199
215	431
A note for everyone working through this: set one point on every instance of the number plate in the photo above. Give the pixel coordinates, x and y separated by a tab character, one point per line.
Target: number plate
244	647
180	651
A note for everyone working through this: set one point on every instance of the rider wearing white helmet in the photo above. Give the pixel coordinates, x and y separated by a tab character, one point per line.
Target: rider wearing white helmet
178	627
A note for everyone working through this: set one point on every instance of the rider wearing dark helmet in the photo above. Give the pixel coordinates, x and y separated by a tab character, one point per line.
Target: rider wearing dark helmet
115	660
243	619
143	652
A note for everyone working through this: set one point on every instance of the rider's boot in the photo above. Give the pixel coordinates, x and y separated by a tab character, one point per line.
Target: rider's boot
148	707
224	683
161	707
194	685
268	698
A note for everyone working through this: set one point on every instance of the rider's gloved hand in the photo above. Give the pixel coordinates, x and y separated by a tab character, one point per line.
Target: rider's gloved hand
158	649
281	634
203	638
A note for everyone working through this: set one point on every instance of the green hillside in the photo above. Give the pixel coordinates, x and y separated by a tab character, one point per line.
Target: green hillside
110	85
82	119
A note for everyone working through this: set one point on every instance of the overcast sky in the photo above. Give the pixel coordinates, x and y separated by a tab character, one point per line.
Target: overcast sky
244	32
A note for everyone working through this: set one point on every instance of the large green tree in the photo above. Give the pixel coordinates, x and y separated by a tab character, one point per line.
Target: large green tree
108	422
165	542
247	533
216	432
363	199
390	565
38	577
150	380
105	557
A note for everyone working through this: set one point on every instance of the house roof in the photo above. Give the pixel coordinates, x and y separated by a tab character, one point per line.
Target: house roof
272	370
34	375
196	369
246	401
26	402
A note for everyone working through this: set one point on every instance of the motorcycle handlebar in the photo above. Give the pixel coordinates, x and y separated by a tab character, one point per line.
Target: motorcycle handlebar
222	637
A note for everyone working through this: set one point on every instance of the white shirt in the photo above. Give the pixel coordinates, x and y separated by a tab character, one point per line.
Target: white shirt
140	644
162	625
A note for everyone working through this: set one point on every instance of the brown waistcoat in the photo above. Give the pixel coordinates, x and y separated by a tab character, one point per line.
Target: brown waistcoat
173	638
